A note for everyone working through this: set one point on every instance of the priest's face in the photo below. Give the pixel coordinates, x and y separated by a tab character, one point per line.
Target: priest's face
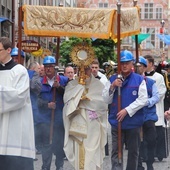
4	54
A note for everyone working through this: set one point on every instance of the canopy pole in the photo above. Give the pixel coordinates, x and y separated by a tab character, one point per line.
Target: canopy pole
120	157
57	51
136	38
13	23
19	33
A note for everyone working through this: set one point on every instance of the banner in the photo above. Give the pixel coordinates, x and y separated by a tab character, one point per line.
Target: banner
66	21
165	38
52	21
141	37
129	23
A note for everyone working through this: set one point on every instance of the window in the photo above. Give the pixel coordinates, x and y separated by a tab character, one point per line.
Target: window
5	29
159	13
103	5
140	13
148	11
8	14
3	11
150	41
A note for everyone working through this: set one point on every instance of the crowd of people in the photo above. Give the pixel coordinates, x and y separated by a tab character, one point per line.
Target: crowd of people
43	112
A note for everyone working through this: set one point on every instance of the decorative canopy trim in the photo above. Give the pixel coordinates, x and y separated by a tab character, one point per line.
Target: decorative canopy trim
62	21
51	21
129	23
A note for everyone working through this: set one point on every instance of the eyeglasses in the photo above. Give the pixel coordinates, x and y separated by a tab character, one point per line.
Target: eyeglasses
49	66
2	49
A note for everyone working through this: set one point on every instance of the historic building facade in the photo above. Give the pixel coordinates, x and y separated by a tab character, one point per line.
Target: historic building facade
6	19
152	12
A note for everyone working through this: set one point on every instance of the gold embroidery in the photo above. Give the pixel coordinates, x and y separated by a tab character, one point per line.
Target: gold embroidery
67	21
80	22
167	82
129	23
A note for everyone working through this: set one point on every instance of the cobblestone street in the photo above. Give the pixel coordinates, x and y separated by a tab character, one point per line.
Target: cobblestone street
163	165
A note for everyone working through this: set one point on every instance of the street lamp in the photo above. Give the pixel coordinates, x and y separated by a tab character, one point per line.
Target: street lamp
162	31
61	3
162	23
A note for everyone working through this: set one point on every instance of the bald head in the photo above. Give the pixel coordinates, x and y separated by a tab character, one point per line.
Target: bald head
69	72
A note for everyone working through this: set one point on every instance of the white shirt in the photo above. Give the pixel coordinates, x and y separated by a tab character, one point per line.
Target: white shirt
140	102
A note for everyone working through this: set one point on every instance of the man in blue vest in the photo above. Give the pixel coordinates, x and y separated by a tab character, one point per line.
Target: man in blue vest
148	144
160	124
35	87
49	100
133	99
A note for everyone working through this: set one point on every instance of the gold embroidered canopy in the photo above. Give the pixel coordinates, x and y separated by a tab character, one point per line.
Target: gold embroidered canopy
51	21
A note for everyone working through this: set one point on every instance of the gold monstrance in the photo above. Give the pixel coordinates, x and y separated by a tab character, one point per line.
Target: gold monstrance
82	55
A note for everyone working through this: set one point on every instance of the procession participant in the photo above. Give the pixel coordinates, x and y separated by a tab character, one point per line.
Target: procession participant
133	99
35	87
69	72
167	83
74	67
160	124
148	142
164	69
14	55
17	148
110	68
47	104
41	72
96	73
85	121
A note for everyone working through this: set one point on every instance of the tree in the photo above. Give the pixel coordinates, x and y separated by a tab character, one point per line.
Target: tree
104	49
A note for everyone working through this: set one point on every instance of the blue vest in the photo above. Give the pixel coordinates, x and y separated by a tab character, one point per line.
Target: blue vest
33	97
150	113
129	93
47	95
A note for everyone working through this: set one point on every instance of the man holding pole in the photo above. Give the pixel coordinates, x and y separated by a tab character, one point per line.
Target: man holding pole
133	98
50	103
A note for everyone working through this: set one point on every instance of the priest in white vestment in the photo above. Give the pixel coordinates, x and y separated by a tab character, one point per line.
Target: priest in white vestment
85	121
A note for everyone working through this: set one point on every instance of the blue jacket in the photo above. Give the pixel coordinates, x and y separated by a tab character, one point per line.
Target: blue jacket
34	94
129	93
46	96
153	98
